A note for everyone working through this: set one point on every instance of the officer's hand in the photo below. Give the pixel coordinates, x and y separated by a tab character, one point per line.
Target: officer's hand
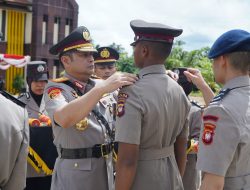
172	74
118	80
194	76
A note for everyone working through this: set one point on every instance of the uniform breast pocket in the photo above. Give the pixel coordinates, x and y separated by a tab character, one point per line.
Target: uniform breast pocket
76	164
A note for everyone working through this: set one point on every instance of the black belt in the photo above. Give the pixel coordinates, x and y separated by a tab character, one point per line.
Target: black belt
97	151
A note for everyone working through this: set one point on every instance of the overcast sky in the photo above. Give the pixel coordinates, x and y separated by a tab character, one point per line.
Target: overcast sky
202	21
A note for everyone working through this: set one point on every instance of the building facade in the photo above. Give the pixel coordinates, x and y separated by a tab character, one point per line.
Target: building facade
31	27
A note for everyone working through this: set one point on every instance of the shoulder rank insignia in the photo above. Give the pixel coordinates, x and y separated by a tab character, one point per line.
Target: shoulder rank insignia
121	104
208	133
220	96
59	80
196	104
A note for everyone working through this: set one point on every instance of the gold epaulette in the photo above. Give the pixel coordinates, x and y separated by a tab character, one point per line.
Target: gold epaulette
59	80
95	77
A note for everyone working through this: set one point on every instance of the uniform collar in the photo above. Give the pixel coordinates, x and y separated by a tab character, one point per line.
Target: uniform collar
159	69
237	81
79	84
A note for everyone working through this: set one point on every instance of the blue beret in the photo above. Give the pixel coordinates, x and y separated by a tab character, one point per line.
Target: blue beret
231	41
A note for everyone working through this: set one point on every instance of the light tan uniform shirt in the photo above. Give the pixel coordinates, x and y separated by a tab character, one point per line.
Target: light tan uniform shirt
87	173
225	136
14	140
153	113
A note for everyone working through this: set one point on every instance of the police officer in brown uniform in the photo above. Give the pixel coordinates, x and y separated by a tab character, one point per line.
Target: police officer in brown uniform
14	140
151	125
82	114
224	146
105	60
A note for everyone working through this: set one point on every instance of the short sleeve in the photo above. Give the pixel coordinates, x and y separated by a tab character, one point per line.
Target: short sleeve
219	139
54	98
129	117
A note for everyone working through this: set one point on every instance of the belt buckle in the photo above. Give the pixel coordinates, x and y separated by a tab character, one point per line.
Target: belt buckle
102	150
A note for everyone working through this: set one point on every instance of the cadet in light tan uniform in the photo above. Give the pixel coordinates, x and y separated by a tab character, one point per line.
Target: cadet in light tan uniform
224	152
82	115
14	140
152	116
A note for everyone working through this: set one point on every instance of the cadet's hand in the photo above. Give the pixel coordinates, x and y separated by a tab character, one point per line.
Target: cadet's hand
172	74
194	76
117	80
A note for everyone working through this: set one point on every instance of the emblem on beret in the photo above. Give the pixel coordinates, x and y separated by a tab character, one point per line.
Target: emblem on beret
121	104
40	68
54	92
82	125
86	35
105	53
208	133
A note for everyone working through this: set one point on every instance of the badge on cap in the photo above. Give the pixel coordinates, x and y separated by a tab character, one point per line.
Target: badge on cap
105	53
121	104
40	68
208	133
86	35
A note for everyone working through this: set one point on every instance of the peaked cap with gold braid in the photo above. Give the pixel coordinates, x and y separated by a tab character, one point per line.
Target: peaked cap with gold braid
78	39
106	55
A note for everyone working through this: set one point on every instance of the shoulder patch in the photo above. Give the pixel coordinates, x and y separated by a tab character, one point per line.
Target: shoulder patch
54	92
208	133
121	104
210	118
59	80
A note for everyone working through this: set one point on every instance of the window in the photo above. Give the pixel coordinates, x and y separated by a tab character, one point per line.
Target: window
2	25
44	29
68	26
56	30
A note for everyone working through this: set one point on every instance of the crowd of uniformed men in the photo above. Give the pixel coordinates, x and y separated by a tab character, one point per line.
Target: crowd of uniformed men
122	131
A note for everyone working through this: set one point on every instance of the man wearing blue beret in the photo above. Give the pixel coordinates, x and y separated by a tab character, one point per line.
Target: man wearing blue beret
225	136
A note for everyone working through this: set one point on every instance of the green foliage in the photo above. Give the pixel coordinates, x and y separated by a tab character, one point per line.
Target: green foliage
18	83
126	64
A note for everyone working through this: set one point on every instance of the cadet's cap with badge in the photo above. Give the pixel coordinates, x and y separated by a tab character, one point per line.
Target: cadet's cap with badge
79	39
106	56
155	32
37	71
229	42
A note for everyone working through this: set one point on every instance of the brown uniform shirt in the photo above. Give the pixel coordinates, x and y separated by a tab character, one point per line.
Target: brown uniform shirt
152	113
